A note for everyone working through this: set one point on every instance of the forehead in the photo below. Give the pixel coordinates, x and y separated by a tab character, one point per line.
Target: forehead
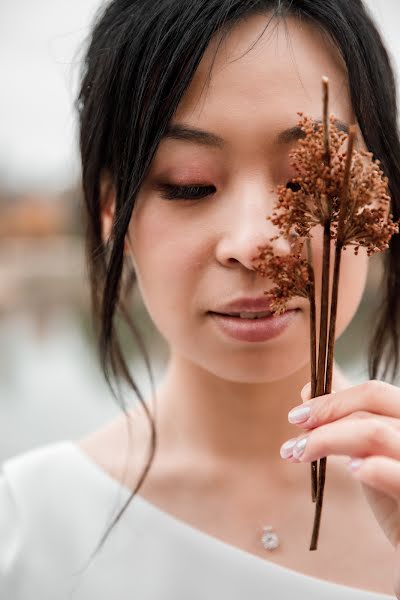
263	73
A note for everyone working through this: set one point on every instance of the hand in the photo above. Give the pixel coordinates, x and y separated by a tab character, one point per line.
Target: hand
362	422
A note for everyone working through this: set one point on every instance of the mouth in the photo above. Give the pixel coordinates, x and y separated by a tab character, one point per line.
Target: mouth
253	326
245	314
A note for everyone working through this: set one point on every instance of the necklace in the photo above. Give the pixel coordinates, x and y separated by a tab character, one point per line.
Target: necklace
269	538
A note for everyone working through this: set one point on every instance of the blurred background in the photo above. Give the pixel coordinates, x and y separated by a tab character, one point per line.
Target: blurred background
51	387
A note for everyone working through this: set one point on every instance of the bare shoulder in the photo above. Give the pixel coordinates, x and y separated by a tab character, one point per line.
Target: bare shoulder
120	447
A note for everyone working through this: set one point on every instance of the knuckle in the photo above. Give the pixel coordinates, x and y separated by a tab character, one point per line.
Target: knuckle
360	414
377	433
324	412
373	387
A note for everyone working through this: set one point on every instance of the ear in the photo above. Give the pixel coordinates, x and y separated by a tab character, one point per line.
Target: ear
107	204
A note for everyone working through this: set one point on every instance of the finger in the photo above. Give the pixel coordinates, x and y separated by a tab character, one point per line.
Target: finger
375	397
359	415
382	473
393	423
380	477
349	437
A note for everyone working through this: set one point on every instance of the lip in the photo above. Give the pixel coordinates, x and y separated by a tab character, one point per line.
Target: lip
260	304
254	330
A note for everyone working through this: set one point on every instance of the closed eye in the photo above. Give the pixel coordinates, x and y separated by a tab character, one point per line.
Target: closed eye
185	192
196	192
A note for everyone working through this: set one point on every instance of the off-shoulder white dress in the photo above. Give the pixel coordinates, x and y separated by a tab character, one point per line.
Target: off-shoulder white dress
54	505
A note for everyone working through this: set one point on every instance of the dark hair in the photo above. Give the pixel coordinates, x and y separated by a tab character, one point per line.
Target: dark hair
141	58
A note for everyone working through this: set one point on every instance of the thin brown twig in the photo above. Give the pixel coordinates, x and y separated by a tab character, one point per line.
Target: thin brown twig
324	314
325	88
322	348
343	209
313	352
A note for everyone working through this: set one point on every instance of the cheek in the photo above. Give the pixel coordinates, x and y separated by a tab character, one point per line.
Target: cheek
167	256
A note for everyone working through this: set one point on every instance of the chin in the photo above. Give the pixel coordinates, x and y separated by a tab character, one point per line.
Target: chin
262	365
258	376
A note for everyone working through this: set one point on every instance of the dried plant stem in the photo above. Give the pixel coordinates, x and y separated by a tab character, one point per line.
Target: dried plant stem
332	322
318	506
324	317
343	210
325	95
313	354
322	348
328	389
324	313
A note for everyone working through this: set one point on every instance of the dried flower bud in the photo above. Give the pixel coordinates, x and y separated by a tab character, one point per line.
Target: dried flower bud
313	196
289	273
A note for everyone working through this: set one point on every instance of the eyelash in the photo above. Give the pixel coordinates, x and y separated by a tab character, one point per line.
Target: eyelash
185	192
190	192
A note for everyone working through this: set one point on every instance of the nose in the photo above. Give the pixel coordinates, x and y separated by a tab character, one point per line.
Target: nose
246	228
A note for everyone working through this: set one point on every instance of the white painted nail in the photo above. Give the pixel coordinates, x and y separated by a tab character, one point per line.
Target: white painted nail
287	447
299	415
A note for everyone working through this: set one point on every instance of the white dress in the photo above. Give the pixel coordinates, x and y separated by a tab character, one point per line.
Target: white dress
54	505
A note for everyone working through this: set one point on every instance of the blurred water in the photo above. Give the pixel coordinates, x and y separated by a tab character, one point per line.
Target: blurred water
51	386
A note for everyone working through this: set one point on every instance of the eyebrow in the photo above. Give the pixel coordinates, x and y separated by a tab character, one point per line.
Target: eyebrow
186	133
296	133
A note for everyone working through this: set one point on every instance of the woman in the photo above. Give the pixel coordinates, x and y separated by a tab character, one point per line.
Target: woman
188	113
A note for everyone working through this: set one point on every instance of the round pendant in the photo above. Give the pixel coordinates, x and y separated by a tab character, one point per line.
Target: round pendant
269	539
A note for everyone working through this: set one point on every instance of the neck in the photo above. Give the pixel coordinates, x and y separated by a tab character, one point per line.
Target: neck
202	416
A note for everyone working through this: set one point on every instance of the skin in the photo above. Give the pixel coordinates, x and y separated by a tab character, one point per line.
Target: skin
222	405
203	255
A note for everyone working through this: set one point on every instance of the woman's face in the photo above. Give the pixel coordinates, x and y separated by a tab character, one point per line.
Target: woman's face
194	256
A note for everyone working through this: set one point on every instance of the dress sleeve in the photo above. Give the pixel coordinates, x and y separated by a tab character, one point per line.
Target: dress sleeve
52	514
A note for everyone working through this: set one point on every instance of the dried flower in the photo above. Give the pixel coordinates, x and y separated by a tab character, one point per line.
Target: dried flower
289	274
367	220
345	192
314	194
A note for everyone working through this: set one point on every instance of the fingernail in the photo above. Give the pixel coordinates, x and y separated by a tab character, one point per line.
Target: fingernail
299	447
299	415
355	464
287	447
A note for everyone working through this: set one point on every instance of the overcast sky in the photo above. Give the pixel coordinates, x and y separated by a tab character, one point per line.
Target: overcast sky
39	41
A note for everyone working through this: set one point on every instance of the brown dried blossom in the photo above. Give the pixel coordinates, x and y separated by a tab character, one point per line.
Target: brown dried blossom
290	274
318	187
317	184
367	220
346	192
